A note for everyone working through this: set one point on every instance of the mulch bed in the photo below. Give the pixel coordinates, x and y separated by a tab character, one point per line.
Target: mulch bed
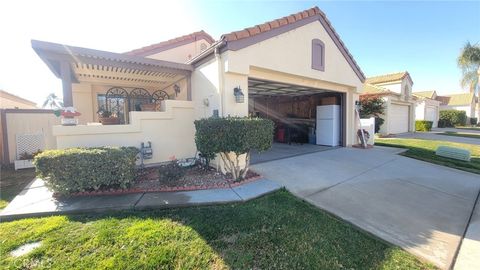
195	178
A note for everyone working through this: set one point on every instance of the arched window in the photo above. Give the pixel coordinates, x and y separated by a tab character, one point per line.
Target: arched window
318	55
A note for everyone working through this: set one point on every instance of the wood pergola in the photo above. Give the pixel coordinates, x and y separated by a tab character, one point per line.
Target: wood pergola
75	64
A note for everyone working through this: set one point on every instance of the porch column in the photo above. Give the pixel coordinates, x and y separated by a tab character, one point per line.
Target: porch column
66	75
189	87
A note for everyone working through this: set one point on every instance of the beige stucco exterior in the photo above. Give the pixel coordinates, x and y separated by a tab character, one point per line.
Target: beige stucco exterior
285	58
183	53
272	60
171	132
424	108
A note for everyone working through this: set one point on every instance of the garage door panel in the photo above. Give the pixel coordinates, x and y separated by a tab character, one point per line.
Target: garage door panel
398	118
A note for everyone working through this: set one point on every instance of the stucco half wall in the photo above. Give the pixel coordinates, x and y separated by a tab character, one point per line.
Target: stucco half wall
171	131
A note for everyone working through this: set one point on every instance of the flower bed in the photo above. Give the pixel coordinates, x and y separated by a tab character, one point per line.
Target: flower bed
195	178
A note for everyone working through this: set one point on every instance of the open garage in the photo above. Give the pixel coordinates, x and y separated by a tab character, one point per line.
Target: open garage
306	119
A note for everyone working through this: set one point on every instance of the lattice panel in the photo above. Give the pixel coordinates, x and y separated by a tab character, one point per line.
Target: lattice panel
29	143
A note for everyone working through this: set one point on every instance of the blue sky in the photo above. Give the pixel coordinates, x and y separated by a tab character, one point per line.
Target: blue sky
384	36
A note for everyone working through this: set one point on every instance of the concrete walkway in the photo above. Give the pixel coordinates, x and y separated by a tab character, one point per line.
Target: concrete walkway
36	200
421	207
469	254
437	135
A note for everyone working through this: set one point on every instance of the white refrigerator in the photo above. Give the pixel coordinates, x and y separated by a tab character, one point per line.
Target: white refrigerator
328	125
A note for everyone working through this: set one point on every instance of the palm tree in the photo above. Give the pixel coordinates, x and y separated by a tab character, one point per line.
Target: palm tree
469	63
53	102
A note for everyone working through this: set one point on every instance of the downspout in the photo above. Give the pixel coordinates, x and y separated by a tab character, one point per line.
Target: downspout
220	68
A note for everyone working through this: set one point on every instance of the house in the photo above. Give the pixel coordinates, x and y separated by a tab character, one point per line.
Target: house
396	91
467	102
11	101
427	106
282	69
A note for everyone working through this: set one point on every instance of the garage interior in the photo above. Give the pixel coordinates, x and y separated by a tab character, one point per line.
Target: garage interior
299	125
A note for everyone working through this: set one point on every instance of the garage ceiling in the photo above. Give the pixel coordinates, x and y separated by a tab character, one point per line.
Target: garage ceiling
266	88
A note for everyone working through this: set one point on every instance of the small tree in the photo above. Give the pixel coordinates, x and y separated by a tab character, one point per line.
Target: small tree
372	106
231	137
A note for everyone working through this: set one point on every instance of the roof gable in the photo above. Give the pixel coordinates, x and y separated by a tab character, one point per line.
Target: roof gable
172	43
392	77
371	89
249	36
425	94
462	99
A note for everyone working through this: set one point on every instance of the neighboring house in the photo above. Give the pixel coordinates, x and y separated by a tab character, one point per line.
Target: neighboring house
396	91
462	102
427	107
11	101
282	69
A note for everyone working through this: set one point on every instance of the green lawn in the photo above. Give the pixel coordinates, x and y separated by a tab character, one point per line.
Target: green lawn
12	182
469	128
461	134
425	150
277	231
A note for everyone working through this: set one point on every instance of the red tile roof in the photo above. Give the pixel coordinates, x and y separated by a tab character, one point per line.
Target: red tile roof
172	43
265	27
299	16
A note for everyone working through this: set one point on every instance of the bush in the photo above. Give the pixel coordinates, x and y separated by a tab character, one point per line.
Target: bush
373	106
422	125
452	118
86	169
473	121
239	135
171	171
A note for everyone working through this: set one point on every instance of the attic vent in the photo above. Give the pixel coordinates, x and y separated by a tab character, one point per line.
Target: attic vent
318	55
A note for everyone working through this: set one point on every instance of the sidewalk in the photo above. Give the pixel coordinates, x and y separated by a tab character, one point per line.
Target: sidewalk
469	254
36	200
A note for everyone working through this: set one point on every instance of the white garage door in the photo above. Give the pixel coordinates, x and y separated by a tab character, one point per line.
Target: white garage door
398	118
431	115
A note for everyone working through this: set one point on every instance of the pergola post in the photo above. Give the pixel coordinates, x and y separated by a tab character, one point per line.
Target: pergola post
66	76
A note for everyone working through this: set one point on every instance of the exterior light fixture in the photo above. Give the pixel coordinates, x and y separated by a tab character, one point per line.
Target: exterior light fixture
176	88
239	96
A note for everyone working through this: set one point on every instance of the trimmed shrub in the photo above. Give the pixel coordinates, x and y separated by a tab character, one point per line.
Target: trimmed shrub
452	118
423	125
473	121
238	135
85	169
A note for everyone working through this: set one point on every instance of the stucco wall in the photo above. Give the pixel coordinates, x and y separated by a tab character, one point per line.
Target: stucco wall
181	54
30	123
421	109
206	89
171	132
291	52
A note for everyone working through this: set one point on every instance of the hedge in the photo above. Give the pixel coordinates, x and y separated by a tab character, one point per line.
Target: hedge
85	169
452	118
422	125
473	121
239	135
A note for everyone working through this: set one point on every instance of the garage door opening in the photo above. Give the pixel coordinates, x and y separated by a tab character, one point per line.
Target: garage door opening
306	119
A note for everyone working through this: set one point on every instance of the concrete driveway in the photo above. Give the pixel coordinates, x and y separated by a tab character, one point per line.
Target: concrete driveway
419	206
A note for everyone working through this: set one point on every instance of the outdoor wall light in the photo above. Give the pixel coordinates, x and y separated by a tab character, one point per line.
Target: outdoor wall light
239	96
176	88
